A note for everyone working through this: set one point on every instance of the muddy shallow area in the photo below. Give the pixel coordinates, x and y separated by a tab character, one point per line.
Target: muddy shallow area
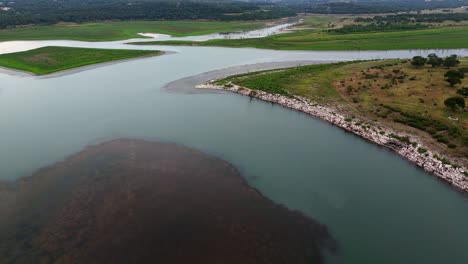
133	201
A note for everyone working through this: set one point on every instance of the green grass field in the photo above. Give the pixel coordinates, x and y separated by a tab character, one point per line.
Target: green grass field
53	59
437	38
106	31
393	92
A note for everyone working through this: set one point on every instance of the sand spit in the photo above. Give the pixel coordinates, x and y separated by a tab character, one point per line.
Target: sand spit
187	85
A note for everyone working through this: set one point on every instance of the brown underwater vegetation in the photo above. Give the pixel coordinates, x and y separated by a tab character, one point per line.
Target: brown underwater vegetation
133	201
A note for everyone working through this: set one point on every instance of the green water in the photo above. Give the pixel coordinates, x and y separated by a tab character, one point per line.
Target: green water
380	208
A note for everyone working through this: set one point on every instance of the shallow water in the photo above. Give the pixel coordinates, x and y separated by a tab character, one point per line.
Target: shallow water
135	201
381	208
258	33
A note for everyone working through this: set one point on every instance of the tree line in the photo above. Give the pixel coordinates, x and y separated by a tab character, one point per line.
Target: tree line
26	12
375	6
347	29
416	18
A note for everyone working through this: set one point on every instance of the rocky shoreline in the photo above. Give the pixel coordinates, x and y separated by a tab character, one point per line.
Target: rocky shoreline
405	145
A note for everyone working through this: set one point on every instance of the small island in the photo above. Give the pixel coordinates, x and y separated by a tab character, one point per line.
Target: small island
134	201
53	59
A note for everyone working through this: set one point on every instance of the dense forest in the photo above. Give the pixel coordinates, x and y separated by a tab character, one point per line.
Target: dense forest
26	12
374	6
49	12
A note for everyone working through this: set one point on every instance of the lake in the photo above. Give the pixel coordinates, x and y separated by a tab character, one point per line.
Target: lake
379	207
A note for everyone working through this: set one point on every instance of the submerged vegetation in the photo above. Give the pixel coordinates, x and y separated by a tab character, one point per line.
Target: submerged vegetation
53	59
157	200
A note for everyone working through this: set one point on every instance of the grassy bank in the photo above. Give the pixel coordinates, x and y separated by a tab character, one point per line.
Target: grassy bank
437	38
106	31
53	59
391	92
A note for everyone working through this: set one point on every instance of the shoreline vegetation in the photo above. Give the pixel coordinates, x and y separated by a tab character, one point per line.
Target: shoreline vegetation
436	30
123	30
437	38
328	105
52	59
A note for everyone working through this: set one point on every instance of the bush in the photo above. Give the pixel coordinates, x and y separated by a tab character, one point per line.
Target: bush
451	61
418	61
422	150
442	140
454	77
253	93
463	92
404	139
455	102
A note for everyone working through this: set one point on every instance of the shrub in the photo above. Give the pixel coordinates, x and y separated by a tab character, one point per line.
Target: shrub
454	77
451	61
422	150
463	92
455	102
434	60
445	161
418	61
442	140
404	139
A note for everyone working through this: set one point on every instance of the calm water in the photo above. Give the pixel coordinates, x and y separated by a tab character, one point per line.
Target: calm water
380	207
259	33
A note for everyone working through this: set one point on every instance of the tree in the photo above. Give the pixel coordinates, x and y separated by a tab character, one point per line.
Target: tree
451	61
434	60
454	77
418	61
455	102
463	91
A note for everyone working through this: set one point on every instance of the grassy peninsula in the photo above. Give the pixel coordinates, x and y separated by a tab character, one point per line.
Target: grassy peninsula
53	59
120	30
395	93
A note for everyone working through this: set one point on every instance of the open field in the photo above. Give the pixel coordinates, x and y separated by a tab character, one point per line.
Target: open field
53	59
437	38
107	31
391	92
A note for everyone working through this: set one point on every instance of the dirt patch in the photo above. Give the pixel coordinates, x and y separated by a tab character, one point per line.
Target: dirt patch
41	58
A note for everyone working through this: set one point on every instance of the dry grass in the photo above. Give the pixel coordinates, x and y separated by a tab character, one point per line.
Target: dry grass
398	89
